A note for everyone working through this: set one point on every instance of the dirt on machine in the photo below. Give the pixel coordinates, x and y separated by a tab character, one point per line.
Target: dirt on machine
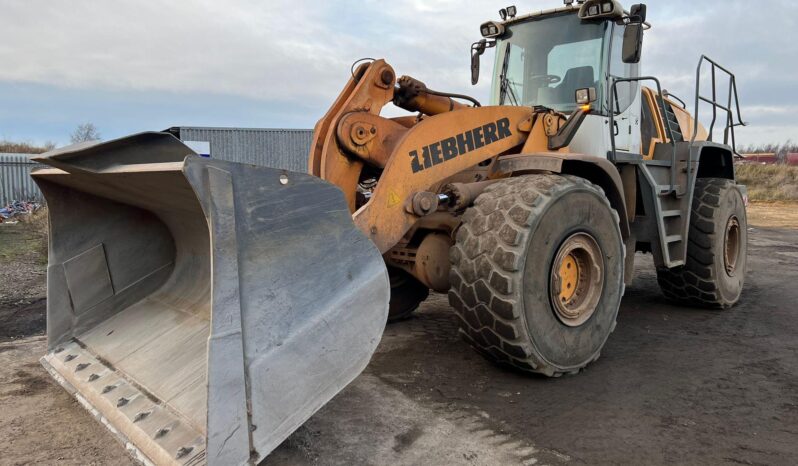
203	310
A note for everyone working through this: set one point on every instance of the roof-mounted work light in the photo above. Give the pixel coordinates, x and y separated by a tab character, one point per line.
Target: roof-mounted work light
508	12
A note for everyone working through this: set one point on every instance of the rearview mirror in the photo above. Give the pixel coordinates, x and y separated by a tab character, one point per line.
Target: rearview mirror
474	68
477	49
633	43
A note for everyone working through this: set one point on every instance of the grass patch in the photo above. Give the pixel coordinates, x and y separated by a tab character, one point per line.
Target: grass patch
769	183
26	239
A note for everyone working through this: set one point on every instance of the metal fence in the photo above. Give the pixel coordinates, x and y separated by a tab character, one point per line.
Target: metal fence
277	148
15	181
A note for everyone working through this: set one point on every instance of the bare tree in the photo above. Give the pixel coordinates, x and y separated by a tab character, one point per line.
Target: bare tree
85	132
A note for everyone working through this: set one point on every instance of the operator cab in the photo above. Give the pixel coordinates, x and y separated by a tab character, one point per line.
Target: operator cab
545	58
543	61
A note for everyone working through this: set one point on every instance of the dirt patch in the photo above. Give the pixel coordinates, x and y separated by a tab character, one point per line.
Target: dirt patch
406	439
673	385
773	215
23	319
40	422
29	384
23	260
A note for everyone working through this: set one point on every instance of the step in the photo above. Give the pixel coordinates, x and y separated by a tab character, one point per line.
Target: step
673	239
671	213
664	189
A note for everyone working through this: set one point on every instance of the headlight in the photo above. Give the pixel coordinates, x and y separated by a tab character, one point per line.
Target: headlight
586	96
592	10
491	29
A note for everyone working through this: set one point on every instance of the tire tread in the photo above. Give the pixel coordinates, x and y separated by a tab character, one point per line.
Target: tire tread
486	273
695	284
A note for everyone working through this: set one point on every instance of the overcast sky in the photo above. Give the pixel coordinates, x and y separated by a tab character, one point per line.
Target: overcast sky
130	66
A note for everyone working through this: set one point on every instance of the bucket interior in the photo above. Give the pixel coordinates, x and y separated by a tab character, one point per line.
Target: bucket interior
129	278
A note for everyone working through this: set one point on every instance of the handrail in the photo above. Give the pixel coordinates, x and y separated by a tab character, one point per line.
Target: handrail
674	97
661	101
733	99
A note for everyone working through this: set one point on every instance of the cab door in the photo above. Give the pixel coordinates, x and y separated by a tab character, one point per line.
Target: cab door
627	99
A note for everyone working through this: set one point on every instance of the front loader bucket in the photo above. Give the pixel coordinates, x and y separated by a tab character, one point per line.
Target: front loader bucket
202	310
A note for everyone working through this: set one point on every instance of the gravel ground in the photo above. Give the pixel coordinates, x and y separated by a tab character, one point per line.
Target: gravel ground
22	279
674	385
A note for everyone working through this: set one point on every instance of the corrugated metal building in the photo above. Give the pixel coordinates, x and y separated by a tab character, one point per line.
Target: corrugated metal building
759	159
277	148
15	181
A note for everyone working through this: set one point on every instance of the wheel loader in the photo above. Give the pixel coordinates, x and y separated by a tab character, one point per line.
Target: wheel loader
203	310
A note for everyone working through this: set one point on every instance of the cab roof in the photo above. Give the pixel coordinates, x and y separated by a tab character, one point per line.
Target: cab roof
573	8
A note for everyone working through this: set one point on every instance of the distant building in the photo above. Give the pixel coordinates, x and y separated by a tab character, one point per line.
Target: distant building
15	181
759	159
792	160
288	149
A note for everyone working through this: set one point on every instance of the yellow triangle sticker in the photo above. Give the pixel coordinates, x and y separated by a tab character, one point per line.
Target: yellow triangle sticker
393	199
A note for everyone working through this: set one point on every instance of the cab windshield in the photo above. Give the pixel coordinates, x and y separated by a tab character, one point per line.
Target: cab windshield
545	60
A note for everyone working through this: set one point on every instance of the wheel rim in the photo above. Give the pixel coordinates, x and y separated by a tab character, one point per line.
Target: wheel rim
731	245
577	279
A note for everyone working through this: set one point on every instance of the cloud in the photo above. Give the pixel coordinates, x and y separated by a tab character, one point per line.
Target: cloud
756	40
295	54
262	50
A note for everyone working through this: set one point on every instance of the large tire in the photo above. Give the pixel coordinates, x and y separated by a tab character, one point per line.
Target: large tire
714	272
503	278
407	294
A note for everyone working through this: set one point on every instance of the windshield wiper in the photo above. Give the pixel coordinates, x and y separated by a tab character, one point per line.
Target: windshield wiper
503	81
507	89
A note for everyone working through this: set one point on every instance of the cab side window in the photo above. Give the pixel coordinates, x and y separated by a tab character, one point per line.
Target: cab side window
625	92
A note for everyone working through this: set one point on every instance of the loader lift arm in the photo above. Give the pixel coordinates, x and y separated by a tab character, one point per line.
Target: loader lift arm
413	156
